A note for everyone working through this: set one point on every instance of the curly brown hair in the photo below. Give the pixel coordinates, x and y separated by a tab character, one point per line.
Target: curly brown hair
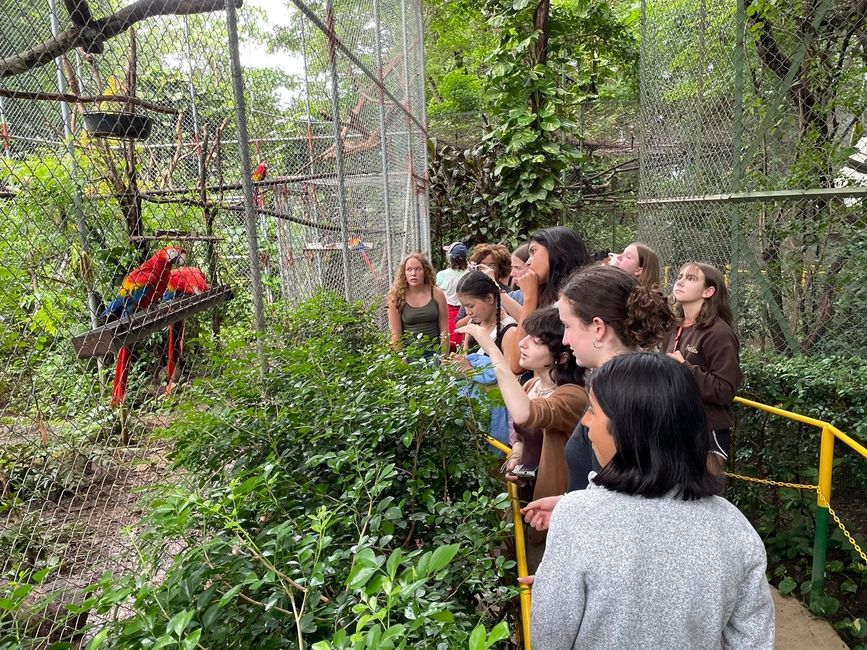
397	293
502	258
640	317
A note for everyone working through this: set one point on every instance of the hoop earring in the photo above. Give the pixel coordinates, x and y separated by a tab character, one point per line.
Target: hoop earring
598	347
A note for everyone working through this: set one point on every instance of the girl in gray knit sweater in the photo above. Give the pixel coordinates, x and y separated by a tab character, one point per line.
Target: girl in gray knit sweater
648	557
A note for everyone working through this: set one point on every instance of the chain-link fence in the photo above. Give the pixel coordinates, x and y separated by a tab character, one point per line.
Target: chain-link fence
131	137
600	200
599	195
753	160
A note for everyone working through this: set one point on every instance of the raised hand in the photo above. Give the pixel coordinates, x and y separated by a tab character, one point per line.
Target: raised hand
529	283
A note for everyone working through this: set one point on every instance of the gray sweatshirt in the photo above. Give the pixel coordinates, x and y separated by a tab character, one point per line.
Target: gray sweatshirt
624	571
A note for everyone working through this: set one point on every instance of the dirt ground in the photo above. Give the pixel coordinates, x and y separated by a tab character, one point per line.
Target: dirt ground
798	629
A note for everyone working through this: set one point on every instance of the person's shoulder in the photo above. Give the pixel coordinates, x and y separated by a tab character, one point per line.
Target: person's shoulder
592	499
718	328
733	517
717	514
570	390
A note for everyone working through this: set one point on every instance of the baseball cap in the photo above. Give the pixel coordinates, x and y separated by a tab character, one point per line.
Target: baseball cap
456	249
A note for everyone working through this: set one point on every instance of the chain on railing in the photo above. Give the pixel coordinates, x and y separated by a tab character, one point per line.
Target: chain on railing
820	497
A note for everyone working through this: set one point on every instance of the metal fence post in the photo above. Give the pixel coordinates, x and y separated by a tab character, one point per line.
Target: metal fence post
737	144
247	185
417	244
338	146
80	221
383	143
820	541
423	197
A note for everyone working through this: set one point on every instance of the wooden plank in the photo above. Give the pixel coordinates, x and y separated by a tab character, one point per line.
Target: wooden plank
117	334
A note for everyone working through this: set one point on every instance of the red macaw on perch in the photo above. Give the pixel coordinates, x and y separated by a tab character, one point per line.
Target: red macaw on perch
140	289
185	281
259	174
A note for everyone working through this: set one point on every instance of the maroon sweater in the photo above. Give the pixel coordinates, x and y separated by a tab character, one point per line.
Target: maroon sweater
711	354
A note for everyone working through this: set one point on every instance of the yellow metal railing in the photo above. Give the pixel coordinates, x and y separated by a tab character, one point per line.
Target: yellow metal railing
520	547
829	434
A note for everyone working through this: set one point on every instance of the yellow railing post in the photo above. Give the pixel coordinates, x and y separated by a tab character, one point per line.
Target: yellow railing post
520	547
823	500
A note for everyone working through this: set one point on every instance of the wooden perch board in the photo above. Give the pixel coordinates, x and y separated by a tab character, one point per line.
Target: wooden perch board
115	335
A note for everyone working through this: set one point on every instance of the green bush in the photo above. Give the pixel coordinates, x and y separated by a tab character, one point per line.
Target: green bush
347	502
832	389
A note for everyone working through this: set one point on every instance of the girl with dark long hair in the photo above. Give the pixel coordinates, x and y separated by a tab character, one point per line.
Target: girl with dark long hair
705	342
649	557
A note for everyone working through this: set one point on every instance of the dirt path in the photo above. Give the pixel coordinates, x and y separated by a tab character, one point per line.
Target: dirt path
798	629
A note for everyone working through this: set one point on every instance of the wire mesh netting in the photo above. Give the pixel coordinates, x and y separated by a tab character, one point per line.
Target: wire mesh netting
753	102
128	226
752	159
600	204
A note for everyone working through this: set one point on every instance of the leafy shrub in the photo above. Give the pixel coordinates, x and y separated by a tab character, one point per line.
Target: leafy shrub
832	389
347	502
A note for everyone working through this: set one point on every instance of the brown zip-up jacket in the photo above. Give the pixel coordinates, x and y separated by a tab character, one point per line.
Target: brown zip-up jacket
712	355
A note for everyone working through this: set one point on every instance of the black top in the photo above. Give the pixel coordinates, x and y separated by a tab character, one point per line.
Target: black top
580	459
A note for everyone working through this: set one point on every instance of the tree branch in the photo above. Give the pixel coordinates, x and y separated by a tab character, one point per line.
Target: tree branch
94	33
88	99
777	62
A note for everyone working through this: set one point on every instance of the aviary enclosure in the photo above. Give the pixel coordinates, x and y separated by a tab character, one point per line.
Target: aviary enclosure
169	169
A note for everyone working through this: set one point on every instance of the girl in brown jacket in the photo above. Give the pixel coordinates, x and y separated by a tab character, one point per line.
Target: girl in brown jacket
545	410
705	342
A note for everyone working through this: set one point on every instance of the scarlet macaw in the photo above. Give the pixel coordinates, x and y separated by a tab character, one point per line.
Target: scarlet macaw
259	174
185	281
145	285
139	290
355	244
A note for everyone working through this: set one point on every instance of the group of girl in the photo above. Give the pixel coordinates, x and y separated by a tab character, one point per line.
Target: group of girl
651	558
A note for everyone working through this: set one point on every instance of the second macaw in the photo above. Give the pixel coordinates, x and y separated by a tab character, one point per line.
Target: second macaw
185	281
355	244
259	174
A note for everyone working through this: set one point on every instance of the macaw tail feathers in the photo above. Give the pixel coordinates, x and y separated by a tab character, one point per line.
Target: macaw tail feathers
121	374
177	331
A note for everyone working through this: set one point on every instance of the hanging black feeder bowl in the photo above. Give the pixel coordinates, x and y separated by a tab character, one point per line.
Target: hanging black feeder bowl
118	125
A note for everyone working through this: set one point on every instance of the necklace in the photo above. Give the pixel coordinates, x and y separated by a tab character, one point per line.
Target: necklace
543	392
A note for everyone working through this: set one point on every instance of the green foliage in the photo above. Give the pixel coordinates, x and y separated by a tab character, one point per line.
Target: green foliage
514	180
457	42
832	389
346	502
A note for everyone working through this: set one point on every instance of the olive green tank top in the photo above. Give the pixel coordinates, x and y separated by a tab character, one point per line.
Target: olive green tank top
421	320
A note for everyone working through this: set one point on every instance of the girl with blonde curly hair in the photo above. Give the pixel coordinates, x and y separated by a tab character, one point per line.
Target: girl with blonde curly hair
416	306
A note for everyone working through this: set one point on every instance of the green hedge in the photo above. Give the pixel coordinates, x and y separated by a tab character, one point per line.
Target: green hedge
348	502
832	389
